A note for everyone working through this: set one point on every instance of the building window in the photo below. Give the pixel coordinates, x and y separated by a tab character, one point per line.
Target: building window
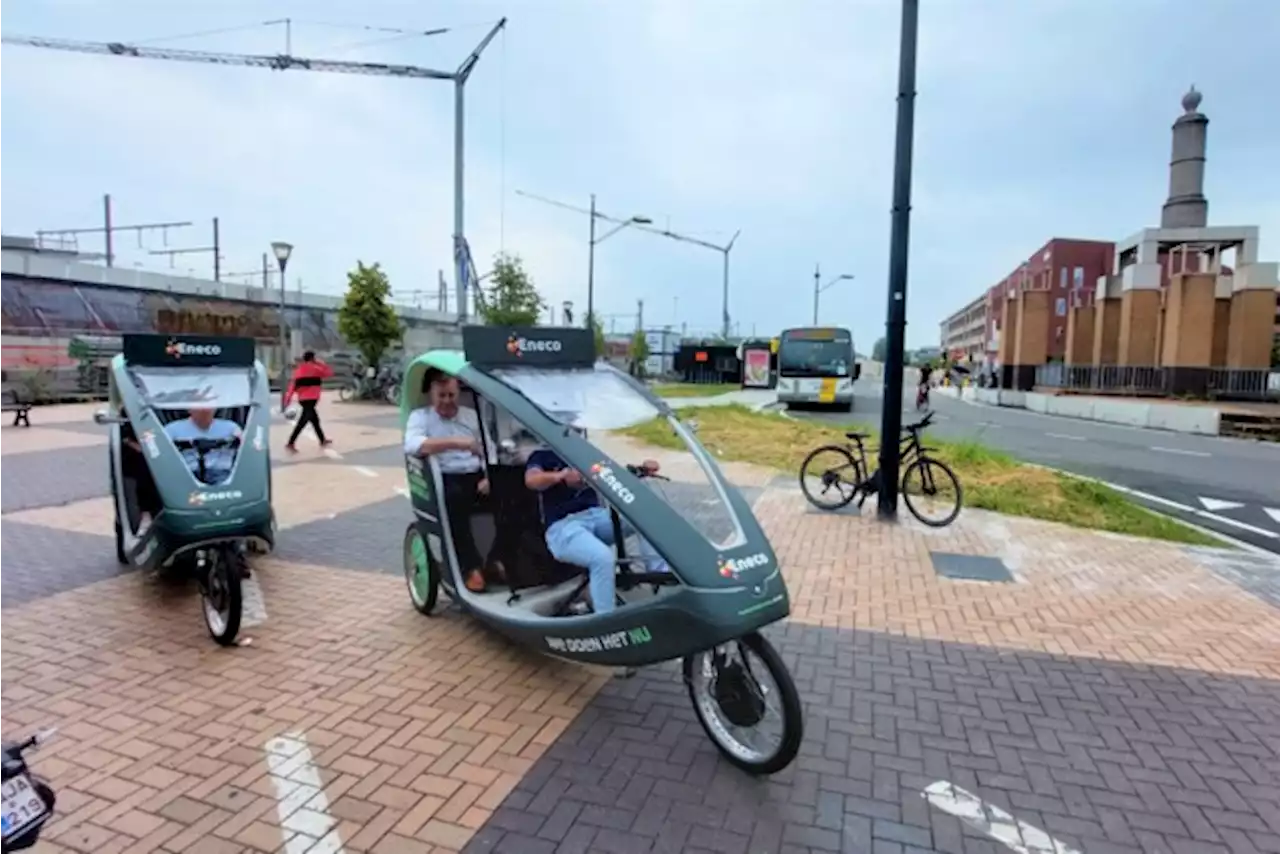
1077	278
1062	278
1060	307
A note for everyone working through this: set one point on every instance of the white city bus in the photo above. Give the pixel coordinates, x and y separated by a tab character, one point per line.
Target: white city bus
816	364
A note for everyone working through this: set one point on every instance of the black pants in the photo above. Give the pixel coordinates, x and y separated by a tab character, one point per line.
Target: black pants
308	416
462	500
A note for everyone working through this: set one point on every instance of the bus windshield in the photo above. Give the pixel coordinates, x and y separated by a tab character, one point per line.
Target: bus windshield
805	353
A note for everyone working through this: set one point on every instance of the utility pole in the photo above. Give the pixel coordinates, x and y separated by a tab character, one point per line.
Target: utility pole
899	246
108	231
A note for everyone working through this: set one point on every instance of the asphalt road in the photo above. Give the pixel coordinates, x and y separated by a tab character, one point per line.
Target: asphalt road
1227	485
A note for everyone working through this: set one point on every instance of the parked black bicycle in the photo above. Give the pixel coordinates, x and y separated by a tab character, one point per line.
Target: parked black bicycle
928	484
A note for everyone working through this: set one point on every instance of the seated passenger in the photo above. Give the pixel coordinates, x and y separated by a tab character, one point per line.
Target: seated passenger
579	528
201	424
451	434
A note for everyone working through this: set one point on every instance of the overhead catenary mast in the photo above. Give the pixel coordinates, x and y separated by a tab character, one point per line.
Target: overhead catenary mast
287	62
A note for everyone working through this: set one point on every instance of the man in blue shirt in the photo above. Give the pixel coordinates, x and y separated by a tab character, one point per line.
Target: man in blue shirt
579	529
219	462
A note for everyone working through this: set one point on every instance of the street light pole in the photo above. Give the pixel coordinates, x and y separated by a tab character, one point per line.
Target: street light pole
643	223
899	244
591	266
282	252
818	287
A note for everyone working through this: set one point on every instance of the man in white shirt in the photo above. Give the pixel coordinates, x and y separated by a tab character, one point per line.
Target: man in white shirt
451	434
219	462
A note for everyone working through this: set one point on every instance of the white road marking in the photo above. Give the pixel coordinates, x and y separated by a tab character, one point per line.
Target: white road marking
331	454
1216	504
366	471
303	809
1244	526
1273	512
253	609
1192	511
1185	453
1065	436
400	490
993	821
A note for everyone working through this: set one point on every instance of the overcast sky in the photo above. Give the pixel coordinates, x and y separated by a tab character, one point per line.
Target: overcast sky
1035	118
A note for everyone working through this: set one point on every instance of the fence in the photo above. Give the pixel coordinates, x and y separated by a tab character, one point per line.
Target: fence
1150	381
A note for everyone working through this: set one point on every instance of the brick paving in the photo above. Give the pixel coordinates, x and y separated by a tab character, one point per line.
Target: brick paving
1121	695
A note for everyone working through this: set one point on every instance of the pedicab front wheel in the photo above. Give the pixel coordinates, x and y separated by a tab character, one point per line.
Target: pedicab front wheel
221	596
747	702
419	575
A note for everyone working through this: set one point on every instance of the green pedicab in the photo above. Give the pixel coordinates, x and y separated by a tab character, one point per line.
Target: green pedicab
724	584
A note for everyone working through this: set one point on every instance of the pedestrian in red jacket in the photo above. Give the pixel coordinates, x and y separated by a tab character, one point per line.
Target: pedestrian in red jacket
306	383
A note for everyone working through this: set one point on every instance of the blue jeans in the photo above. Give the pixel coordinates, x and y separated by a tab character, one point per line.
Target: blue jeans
586	539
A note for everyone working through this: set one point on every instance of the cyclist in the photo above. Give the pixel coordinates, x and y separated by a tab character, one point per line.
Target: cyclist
922	391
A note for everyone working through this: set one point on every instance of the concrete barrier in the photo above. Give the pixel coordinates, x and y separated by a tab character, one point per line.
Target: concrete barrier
1174	417
1202	420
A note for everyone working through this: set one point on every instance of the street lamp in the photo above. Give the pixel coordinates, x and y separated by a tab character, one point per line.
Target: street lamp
899	253
566	312
282	252
591	252
819	288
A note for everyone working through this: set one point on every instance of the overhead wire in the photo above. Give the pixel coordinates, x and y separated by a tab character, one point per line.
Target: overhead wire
202	33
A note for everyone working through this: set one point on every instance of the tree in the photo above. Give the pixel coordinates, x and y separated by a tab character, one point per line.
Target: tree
365	319
598	328
880	350
638	352
510	298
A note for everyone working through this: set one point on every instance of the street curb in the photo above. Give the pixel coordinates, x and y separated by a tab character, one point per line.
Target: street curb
1124	490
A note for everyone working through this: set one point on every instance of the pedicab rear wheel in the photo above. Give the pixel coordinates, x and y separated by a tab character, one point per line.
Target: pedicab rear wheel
419	575
732	700
221	596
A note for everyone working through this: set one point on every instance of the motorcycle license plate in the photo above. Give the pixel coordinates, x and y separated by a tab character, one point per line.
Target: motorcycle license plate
21	805
828	392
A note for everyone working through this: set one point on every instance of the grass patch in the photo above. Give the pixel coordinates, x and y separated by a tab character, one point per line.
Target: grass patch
693	389
991	480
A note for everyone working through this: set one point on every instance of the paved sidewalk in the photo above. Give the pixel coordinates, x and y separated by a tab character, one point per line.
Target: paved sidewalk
1117	695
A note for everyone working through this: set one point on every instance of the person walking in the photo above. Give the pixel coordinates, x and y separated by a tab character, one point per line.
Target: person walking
306	383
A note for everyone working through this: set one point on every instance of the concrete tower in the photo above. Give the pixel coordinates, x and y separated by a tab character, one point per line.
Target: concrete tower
1186	206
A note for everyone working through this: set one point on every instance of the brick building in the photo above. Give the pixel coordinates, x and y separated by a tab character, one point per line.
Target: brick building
1067	267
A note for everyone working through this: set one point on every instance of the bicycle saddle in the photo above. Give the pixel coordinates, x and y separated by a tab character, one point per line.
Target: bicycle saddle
856	435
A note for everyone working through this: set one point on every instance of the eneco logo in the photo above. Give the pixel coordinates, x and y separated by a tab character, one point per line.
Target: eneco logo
178	349
734	567
518	346
200	498
605	475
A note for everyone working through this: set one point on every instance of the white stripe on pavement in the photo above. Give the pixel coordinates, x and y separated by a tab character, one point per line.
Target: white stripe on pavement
993	821
1065	436
366	471
1216	504
253	609
1181	451
331	454
305	823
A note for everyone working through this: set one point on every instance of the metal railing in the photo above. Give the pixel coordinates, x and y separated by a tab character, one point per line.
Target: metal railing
1152	381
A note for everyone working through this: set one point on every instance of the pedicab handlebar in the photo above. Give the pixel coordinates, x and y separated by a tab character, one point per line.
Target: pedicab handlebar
645	472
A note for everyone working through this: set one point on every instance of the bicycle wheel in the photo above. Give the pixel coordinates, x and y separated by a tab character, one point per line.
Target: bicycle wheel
750	710
818	479
346	392
929	486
